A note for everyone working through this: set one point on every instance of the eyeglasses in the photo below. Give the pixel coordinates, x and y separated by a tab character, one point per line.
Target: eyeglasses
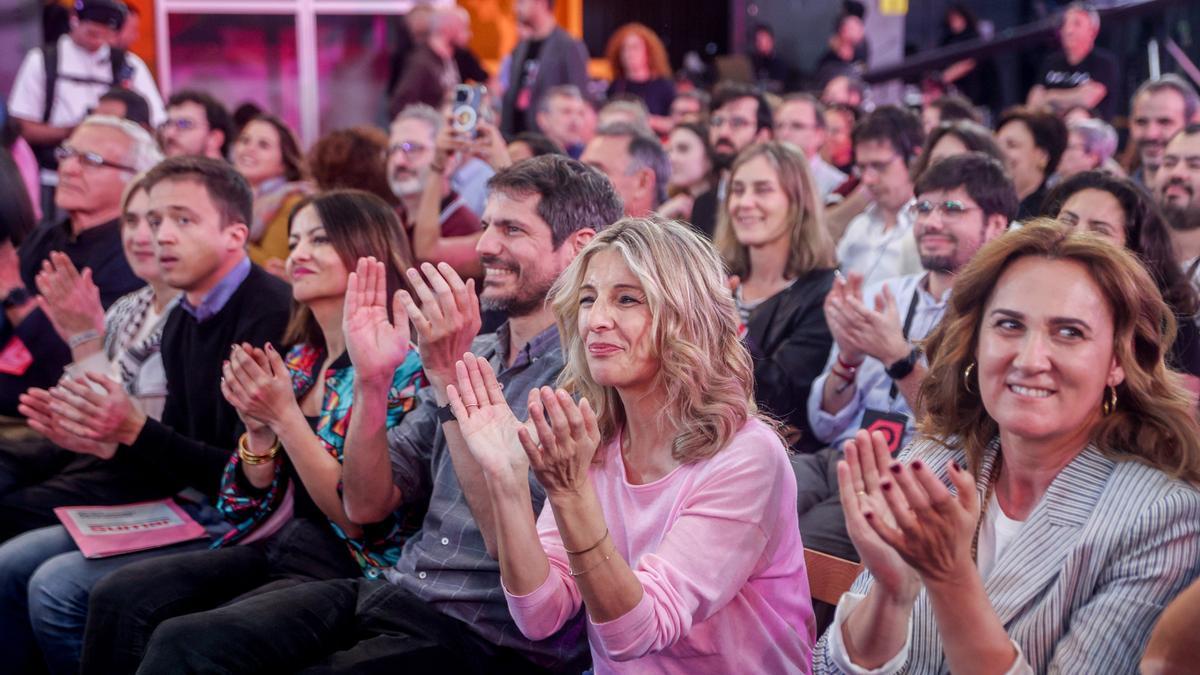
179	124
409	149
92	159
861	168
951	208
734	123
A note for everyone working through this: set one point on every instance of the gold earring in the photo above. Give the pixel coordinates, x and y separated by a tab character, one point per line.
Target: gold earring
967	378
1110	401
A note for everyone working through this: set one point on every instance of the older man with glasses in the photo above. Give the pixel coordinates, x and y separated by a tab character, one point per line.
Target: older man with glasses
94	164
410	157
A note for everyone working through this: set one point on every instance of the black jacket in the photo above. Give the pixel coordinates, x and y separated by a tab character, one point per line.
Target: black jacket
790	342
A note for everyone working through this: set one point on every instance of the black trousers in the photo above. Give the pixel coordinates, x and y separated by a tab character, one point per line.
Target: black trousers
127	605
342	626
37	477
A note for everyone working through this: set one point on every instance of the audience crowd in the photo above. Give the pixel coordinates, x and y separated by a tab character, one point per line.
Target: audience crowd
585	378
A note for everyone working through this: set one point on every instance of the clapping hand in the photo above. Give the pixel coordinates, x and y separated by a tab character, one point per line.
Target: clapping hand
487	422
930	528
97	409
860	330
259	386
377	345
569	435
70	299
864	485
446	321
36	405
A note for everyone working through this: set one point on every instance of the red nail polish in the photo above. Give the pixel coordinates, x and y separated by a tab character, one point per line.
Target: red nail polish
886	486
917	465
895	468
955	465
868	515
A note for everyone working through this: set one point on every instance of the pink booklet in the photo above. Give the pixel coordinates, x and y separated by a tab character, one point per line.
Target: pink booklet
103	531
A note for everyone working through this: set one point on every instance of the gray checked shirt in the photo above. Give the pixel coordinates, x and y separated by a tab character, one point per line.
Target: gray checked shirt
446	562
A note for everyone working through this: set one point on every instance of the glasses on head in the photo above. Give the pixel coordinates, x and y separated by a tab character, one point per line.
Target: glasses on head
92	159
951	208
861	168
178	124
409	149
732	122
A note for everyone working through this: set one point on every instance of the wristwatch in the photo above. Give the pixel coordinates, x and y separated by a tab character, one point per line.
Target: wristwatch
15	298
445	414
900	369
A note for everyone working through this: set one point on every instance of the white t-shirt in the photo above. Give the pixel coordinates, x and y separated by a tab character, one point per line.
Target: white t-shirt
72	99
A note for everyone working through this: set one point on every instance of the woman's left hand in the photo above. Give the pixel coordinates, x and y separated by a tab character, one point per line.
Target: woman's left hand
261	384
934	529
569	436
70	299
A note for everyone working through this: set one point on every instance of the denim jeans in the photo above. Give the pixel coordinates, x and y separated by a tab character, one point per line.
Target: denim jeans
45	583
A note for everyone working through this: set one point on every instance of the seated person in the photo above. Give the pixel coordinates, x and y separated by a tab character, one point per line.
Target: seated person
295	409
1118	210
871	378
635	162
95	163
441	607
692	164
198	209
1073	453
772	235
1091	144
267	153
955	138
672	460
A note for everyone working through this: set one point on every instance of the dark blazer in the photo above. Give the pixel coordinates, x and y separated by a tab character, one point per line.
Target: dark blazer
790	342
562	60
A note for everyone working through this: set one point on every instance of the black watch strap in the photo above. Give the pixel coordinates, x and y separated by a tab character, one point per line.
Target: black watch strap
900	369
445	414
15	298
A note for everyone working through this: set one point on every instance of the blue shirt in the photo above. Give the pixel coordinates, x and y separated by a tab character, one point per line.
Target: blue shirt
219	295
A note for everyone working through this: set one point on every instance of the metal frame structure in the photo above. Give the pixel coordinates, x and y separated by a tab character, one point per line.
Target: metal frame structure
305	13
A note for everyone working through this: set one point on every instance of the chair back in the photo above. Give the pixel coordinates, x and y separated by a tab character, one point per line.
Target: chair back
829	576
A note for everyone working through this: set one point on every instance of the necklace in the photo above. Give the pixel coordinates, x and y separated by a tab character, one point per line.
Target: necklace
987	500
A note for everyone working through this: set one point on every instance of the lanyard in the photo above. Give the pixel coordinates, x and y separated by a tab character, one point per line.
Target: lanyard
908	319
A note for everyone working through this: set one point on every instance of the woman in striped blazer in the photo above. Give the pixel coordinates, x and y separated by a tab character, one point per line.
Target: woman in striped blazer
1071	517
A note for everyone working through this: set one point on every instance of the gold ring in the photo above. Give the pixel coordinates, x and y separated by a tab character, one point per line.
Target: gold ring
860	493
471	405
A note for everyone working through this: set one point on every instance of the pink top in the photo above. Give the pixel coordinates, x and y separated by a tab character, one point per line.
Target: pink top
716	545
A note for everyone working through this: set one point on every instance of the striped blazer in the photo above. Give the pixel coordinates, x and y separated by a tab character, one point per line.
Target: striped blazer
1080	587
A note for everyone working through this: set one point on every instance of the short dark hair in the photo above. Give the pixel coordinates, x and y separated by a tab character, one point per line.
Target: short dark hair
539	144
1049	133
214	112
227	188
289	146
728	92
902	128
137	110
352	159
983	178
1188	130
574	196
1191	100
976	138
817	106
953	107
16	208
359	225
644	152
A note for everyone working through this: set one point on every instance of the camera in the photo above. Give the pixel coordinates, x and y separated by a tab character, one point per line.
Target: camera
468	103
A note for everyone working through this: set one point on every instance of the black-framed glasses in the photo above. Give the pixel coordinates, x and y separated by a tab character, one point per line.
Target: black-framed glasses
179	124
92	159
409	149
951	208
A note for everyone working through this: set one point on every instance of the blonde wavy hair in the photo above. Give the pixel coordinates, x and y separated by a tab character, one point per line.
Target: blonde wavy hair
811	244
1153	422
705	369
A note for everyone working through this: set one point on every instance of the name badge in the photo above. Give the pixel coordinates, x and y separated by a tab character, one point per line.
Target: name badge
890	424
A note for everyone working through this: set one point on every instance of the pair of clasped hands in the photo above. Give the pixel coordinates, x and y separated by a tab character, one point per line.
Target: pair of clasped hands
559	439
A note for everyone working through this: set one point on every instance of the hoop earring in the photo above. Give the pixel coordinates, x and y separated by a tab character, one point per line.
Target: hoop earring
1110	402
967	378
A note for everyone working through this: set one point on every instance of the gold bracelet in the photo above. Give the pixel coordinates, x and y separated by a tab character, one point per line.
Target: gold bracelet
573	573
590	548
252	459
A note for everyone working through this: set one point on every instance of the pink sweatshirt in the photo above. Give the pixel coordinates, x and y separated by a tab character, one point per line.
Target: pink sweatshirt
716	545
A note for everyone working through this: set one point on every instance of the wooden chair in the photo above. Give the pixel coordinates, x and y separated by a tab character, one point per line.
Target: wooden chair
829	576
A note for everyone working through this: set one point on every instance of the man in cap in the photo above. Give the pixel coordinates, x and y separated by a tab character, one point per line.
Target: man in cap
58	84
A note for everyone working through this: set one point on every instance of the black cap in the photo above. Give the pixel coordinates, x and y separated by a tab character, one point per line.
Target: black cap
110	13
